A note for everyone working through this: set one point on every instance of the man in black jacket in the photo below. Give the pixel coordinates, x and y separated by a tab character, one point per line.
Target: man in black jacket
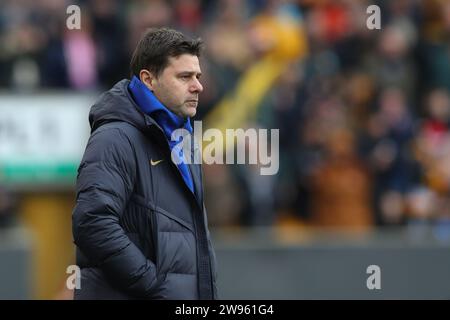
139	223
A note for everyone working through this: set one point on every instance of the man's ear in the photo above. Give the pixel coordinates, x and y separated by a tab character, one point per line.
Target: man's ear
147	78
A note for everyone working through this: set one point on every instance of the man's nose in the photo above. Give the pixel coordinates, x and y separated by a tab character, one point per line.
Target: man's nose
196	86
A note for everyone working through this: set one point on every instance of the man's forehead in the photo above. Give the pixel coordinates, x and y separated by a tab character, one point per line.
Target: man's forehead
184	62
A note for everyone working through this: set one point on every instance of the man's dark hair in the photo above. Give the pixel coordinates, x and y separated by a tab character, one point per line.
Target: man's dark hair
157	45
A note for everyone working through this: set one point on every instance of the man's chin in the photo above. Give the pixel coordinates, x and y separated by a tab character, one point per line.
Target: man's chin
190	112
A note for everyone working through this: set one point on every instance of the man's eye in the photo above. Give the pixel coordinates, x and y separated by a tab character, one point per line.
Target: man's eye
185	77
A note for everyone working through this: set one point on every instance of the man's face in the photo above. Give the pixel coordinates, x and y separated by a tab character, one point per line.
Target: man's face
178	86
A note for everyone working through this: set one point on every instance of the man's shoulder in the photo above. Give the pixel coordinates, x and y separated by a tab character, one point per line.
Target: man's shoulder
110	142
116	130
118	135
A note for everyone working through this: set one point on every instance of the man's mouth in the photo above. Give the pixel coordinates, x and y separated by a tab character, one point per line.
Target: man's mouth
192	102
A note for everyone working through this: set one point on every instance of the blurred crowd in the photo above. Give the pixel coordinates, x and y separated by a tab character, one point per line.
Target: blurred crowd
363	114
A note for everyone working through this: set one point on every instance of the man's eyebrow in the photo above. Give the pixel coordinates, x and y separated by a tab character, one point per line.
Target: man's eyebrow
190	73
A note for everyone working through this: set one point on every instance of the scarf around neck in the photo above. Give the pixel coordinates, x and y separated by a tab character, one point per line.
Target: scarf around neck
166	119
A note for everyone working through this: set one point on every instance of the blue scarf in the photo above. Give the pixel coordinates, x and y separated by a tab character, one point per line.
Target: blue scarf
166	119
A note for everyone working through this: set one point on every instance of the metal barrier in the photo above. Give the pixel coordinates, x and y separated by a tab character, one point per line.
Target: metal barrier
15	264
393	264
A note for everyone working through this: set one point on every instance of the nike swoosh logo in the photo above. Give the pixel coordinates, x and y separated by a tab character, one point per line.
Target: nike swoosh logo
154	163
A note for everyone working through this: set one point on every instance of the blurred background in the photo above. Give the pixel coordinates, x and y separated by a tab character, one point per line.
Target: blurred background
364	139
